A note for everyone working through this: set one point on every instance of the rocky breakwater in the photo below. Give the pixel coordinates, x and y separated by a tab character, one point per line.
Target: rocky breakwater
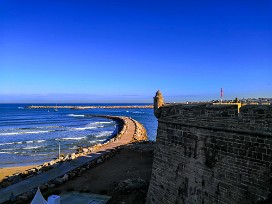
140	132
89	107
122	122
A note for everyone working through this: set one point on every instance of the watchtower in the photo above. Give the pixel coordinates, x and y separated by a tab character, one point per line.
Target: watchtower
158	102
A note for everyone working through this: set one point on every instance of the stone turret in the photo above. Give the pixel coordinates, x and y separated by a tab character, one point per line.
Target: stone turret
158	102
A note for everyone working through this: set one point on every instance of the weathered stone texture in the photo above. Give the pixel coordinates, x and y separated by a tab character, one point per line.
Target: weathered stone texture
212	154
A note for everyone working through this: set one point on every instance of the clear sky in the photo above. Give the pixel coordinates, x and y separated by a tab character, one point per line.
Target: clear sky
124	51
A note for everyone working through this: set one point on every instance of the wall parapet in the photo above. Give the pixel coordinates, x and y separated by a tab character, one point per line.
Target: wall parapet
265	134
252	118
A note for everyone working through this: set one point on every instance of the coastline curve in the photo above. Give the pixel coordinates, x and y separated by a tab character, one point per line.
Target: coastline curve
129	130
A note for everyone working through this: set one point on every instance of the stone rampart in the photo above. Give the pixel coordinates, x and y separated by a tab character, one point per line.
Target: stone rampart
212	154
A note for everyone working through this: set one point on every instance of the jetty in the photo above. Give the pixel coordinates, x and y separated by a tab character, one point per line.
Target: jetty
90	107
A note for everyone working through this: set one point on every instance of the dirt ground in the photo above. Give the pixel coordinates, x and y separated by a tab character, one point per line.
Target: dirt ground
132	164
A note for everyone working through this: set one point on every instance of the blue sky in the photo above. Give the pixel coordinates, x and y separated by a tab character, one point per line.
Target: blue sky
124	51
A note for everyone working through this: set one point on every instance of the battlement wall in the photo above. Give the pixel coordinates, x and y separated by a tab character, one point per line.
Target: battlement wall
212	154
252	118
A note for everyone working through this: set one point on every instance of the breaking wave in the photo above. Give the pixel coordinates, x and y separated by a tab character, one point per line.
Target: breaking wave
71	138
74	115
103	134
32	147
83	128
22	133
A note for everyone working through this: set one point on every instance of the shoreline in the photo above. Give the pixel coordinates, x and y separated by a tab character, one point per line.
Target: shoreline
22	168
116	119
7	171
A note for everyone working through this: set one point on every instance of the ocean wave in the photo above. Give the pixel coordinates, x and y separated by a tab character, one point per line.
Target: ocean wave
31	147
104	134
39	127
4	152
39	155
137	112
74	115
90	126
71	138
8	149
22	133
39	141
37	132
8	143
20	107
83	128
21	142
103	122
100	140
74	147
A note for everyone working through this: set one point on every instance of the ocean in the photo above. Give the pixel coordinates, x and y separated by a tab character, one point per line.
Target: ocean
33	136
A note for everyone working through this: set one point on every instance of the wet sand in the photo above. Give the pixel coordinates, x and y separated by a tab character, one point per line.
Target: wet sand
13	170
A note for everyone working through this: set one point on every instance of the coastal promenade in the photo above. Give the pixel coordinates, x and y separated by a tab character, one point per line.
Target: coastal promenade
89	107
35	181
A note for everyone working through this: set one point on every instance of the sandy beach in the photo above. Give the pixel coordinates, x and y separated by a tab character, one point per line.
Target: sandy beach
13	170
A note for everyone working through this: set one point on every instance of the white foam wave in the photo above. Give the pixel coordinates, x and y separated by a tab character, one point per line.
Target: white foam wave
39	141
8	143
83	128
74	115
36	147
100	140
10	133
39	154
137	112
74	147
90	126
103	134
71	138
103	122
20	107
22	133
21	142
8	149
4	152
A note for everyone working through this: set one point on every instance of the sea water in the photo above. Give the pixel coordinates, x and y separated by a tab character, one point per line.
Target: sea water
33	136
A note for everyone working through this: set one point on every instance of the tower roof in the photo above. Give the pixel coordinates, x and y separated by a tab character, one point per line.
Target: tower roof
158	92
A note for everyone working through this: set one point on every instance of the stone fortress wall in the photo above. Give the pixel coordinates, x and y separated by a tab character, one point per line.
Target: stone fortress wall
211	154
